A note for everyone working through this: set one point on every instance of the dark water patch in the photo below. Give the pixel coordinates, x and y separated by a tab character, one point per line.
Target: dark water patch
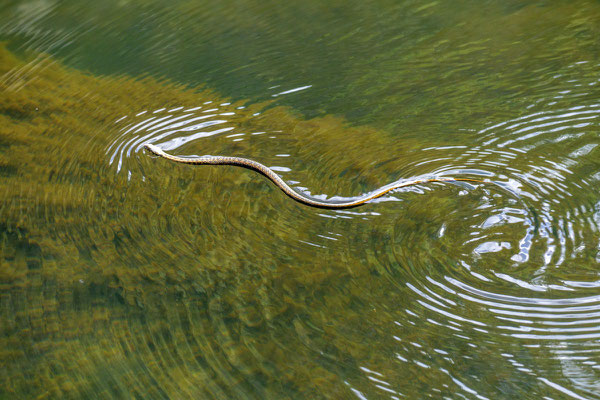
14	113
409	57
8	170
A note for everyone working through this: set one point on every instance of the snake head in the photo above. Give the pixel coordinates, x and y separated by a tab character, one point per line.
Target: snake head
153	149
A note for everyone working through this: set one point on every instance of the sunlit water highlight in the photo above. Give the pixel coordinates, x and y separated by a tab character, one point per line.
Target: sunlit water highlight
126	275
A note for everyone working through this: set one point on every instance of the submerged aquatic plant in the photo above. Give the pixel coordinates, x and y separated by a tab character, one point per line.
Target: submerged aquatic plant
92	260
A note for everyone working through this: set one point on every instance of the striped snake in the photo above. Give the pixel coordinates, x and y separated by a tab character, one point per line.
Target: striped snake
280	183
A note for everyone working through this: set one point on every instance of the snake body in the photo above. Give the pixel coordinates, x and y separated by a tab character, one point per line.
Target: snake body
280	183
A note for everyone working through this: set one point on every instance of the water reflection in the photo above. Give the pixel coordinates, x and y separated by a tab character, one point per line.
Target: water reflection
178	127
124	275
506	254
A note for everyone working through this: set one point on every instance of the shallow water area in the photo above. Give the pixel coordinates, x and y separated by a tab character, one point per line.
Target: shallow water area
126	275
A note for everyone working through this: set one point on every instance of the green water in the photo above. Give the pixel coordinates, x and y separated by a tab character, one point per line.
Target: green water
126	276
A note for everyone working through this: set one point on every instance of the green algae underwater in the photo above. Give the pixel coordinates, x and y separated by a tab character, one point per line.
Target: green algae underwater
97	269
178	282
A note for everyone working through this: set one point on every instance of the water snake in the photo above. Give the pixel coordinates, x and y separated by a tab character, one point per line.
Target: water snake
280	183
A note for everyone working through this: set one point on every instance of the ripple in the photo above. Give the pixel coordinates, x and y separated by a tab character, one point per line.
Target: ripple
128	276
497	279
173	128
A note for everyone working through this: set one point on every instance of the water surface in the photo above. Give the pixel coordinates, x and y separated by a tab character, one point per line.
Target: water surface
125	276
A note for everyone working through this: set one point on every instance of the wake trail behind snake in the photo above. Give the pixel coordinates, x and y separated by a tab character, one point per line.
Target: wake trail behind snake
280	183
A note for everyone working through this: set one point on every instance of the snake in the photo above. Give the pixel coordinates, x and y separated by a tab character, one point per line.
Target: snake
281	184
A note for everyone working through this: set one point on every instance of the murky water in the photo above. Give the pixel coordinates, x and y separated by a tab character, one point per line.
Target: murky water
127	276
